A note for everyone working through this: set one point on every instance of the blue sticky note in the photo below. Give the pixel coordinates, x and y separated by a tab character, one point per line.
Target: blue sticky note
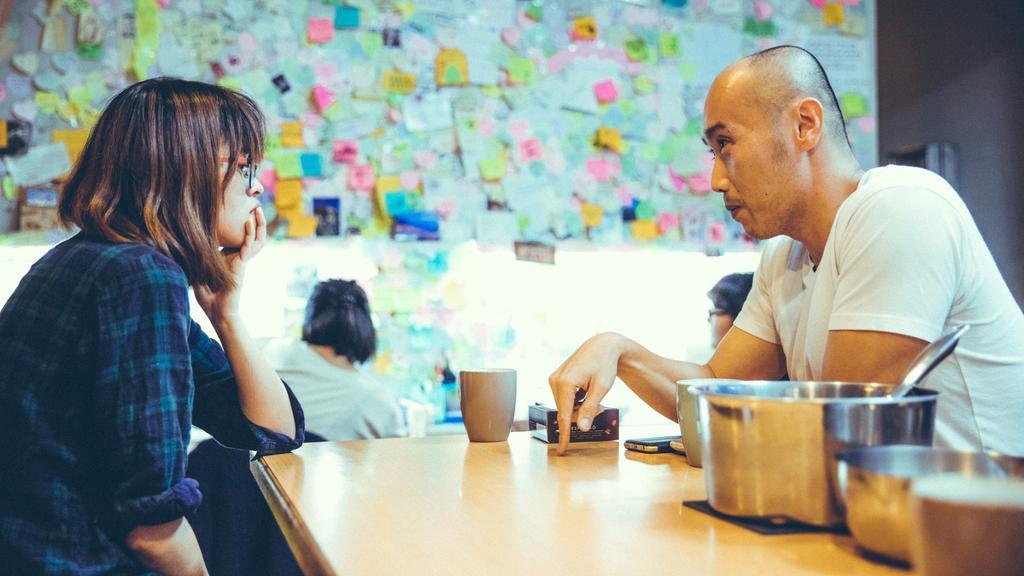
312	166
346	17
396	203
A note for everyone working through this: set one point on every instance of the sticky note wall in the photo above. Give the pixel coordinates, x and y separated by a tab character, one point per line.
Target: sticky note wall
562	120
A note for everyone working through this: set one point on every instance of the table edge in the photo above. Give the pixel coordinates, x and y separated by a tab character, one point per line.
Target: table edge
308	554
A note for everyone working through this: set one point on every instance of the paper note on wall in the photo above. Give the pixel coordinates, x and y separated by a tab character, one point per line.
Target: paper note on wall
74	140
592	214
288	194
644	229
319	30
361	177
833	14
398	82
291	134
288	165
854	105
606	92
40	164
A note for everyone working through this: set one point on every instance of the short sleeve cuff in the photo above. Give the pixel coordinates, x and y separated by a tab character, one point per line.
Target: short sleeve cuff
747	323
271	442
885	323
177	501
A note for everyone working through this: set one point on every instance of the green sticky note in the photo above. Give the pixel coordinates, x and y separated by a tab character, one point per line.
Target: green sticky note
80	96
760	28
854	105
643	85
694	127
645	211
520	70
688	70
10	190
535	12
627	107
288	165
372	43
636	49
668	46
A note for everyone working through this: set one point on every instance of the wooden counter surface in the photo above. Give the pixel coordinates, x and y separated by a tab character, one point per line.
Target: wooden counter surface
441	505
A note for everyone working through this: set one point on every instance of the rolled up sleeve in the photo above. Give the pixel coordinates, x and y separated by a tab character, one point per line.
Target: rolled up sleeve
218	409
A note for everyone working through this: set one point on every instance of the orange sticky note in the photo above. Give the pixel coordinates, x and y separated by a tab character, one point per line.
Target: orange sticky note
398	82
451	68
592	214
644	229
301	226
3	134
291	134
584	28
833	14
74	140
288	194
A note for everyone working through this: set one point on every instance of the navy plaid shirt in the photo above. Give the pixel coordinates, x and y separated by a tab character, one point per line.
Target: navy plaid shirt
102	374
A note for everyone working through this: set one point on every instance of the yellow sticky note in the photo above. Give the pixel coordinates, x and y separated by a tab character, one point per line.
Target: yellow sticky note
288	194
384	185
291	134
592	214
47	102
493	169
398	82
451	68
609	139
520	70
3	133
74	141
833	14
301	226
644	229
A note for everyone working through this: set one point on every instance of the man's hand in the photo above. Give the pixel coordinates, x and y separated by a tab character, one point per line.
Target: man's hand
592	367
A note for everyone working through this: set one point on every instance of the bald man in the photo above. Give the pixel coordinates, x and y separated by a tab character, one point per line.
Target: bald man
864	269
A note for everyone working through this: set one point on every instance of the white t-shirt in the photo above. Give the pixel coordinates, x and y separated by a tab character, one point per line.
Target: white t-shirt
338	404
904	256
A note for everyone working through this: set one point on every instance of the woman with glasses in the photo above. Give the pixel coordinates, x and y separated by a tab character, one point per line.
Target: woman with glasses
103	370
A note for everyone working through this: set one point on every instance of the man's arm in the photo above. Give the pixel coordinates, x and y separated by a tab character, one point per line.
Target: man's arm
867	356
169	548
600	359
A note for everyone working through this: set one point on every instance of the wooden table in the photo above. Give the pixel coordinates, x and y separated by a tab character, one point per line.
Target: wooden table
443	505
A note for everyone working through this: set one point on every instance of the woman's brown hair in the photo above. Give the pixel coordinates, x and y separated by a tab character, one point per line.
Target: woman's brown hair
149	172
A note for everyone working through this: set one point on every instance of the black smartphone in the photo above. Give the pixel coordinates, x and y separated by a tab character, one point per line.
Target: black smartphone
651	445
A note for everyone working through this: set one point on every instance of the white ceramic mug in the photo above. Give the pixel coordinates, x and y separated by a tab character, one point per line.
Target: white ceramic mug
488	401
689	423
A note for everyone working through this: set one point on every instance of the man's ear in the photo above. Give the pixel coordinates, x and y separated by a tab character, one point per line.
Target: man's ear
810	123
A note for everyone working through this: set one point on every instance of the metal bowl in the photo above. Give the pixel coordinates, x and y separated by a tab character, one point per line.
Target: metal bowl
1012	465
876	485
769	447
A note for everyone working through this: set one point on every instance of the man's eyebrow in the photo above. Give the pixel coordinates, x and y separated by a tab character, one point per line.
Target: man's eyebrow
711	130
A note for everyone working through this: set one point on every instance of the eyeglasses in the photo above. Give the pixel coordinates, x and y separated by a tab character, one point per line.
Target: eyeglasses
712	312
245	168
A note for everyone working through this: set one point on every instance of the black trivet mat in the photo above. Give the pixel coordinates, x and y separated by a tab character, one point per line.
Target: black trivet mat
760	526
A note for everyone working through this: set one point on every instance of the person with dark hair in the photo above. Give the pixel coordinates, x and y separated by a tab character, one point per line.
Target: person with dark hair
341	402
104	371
863	270
727	297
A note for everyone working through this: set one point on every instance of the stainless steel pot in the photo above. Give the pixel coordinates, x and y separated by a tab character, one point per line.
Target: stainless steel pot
876	484
769	447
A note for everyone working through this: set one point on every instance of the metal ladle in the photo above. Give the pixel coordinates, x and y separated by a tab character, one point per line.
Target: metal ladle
928	359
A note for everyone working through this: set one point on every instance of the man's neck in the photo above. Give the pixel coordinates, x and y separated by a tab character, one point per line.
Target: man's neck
832	186
328	354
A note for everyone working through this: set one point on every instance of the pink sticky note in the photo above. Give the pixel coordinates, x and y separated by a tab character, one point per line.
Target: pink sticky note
320	30
678	182
699	183
763	10
819	4
625	195
510	36
425	159
716	231
606	92
519	129
325	71
668	221
445	208
598	168
323	98
360	177
866	124
851	2
486	126
530	150
346	151
410	179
